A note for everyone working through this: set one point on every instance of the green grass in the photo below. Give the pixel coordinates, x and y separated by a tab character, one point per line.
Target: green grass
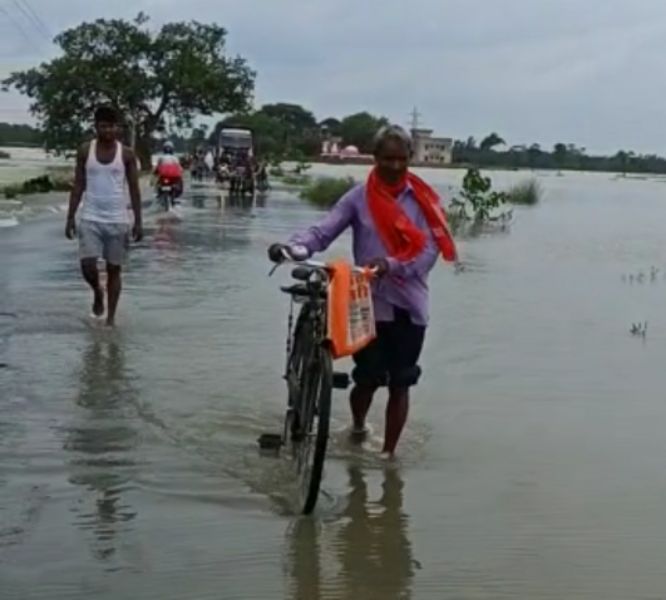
527	193
326	191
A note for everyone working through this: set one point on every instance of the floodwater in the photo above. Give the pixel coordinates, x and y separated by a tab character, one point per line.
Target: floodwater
532	466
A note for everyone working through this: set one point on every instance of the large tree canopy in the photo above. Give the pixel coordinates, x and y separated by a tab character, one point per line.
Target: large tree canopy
359	130
178	72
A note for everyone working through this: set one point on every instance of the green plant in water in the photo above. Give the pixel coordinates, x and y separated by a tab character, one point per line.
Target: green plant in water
478	193
326	191
37	185
526	192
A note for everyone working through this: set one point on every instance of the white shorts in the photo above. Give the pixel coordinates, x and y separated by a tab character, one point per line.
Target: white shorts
109	241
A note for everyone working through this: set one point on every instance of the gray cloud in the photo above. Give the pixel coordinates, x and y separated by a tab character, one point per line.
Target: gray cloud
546	70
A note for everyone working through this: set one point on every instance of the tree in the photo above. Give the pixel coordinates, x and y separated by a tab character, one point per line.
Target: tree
331	125
181	70
624	159
294	117
560	154
533	154
198	135
359	130
20	135
298	126
489	142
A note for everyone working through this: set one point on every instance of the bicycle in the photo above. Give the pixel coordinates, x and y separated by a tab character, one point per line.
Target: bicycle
310	379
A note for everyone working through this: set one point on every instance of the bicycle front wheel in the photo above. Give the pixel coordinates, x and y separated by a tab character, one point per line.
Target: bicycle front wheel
317	410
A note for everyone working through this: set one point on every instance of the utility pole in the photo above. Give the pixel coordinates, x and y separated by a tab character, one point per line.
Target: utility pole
415	118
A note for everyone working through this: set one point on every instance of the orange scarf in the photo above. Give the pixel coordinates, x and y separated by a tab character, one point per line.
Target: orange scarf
402	238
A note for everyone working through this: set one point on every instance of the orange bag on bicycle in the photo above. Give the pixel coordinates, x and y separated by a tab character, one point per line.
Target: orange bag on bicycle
351	318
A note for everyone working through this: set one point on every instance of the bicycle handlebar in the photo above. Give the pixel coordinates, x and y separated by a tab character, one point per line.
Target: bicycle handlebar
315	264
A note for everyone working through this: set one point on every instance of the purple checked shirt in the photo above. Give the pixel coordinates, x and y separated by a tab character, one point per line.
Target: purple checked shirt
405	285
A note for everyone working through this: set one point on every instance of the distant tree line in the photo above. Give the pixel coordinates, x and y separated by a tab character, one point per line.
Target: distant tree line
561	157
20	135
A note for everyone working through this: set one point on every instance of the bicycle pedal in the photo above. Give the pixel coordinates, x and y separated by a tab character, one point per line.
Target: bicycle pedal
341	380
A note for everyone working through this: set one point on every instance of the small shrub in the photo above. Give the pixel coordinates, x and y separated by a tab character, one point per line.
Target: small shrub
527	192
276	171
11	191
478	193
478	208
326	191
4	155
38	185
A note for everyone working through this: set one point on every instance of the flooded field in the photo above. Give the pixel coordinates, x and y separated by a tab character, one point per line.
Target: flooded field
532	466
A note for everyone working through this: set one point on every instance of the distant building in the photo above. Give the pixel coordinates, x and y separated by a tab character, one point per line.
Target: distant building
330	146
332	150
431	150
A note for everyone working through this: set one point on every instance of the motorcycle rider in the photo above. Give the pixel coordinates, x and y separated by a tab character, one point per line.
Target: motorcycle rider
168	167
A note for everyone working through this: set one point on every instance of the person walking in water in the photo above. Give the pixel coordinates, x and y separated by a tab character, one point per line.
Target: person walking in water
103	167
399	229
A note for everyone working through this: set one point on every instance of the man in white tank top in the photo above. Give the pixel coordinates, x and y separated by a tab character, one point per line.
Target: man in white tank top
104	170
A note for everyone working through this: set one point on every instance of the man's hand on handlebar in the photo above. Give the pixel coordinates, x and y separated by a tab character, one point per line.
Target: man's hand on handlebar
278	253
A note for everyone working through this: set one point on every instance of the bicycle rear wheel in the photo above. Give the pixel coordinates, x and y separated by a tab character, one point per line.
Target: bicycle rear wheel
316	412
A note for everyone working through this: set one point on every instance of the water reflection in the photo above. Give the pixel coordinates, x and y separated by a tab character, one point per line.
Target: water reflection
369	543
374	550
241	201
102	442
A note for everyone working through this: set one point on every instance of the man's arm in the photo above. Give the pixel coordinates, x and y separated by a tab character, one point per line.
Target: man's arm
323	234
132	174
77	191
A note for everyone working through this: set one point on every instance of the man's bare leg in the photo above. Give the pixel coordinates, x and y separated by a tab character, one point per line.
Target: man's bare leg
114	286
91	275
360	400
396	417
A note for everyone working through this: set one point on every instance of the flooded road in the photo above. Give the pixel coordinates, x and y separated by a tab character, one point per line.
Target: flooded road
532	466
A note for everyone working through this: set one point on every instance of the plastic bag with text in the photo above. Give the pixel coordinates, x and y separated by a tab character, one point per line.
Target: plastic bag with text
351	318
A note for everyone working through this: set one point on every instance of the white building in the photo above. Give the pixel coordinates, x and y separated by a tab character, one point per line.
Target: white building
431	150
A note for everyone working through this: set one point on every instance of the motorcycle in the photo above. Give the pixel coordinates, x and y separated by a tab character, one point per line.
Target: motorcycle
166	193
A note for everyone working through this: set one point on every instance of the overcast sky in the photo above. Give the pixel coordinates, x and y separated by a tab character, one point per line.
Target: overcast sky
589	72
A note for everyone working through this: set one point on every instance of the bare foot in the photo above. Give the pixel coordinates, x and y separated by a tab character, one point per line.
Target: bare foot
111	323
98	303
358	435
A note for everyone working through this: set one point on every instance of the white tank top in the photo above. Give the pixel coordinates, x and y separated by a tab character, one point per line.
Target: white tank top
105	199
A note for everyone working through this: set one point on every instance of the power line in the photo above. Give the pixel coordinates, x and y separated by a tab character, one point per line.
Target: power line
26	18
33	17
16	23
